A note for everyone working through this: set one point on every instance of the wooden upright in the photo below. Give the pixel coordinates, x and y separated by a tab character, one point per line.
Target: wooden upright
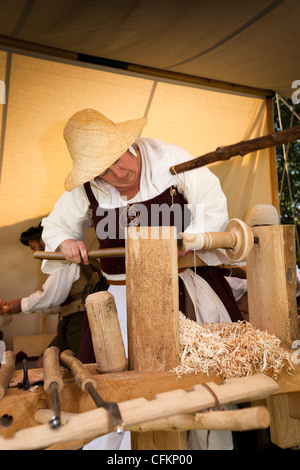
271	275
152	315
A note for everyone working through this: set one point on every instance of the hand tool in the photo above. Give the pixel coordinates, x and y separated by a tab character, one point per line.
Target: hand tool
6	371
53	382
25	382
87	384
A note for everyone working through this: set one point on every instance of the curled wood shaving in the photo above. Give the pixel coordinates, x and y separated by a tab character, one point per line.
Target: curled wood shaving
229	350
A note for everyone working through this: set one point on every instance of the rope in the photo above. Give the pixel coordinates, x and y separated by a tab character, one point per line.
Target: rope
286	167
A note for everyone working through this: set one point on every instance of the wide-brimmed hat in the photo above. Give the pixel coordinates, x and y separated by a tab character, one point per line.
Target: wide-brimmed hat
95	142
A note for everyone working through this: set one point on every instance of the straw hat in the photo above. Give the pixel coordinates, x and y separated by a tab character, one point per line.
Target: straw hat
262	214
94	143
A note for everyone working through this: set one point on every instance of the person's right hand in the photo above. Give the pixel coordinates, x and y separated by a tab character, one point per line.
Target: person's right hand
3	306
11	307
74	251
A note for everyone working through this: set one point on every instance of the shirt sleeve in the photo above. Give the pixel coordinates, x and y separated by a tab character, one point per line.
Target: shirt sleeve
208	204
69	219
54	291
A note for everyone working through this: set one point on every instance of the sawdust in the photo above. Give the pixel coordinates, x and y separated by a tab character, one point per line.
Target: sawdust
229	350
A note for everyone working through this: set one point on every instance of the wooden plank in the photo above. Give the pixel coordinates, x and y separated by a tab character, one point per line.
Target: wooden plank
294	405
271	274
32	345
284	430
152	314
152	299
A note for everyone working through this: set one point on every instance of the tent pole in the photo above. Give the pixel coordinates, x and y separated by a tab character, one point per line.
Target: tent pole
272	155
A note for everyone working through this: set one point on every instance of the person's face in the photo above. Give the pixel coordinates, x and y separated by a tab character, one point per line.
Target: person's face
37	245
124	174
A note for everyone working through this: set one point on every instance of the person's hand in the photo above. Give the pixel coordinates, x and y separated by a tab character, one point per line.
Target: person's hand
182	253
74	251
3	306
11	307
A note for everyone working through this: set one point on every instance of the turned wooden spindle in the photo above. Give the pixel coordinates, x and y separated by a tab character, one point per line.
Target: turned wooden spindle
237	240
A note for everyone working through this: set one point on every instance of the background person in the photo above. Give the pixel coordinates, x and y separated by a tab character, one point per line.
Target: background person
61	293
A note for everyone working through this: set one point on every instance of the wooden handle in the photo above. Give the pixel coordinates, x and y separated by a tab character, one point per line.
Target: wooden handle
102	253
106	333
237	240
6	371
79	371
52	371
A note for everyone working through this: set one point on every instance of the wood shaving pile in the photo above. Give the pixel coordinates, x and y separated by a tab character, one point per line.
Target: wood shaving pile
229	349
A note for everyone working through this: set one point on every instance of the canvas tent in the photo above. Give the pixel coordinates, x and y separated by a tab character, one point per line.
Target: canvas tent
202	72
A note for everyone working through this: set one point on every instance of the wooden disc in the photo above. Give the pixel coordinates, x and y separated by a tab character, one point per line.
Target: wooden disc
244	240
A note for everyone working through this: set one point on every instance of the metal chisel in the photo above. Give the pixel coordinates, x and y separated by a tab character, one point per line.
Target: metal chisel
53	383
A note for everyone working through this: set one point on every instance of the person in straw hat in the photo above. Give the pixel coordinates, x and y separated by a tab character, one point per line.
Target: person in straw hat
116	178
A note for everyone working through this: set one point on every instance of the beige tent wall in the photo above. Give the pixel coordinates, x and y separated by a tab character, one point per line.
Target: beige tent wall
44	93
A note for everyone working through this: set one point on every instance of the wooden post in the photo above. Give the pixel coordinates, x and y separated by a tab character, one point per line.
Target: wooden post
152	315
271	275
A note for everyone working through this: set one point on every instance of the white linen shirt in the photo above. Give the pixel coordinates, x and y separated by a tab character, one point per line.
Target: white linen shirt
54	291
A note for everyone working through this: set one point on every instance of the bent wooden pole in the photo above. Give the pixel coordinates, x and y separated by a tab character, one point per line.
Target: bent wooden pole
241	148
96	422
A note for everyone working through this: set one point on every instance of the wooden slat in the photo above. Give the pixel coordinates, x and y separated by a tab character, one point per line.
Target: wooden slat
152	314
32	345
271	275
